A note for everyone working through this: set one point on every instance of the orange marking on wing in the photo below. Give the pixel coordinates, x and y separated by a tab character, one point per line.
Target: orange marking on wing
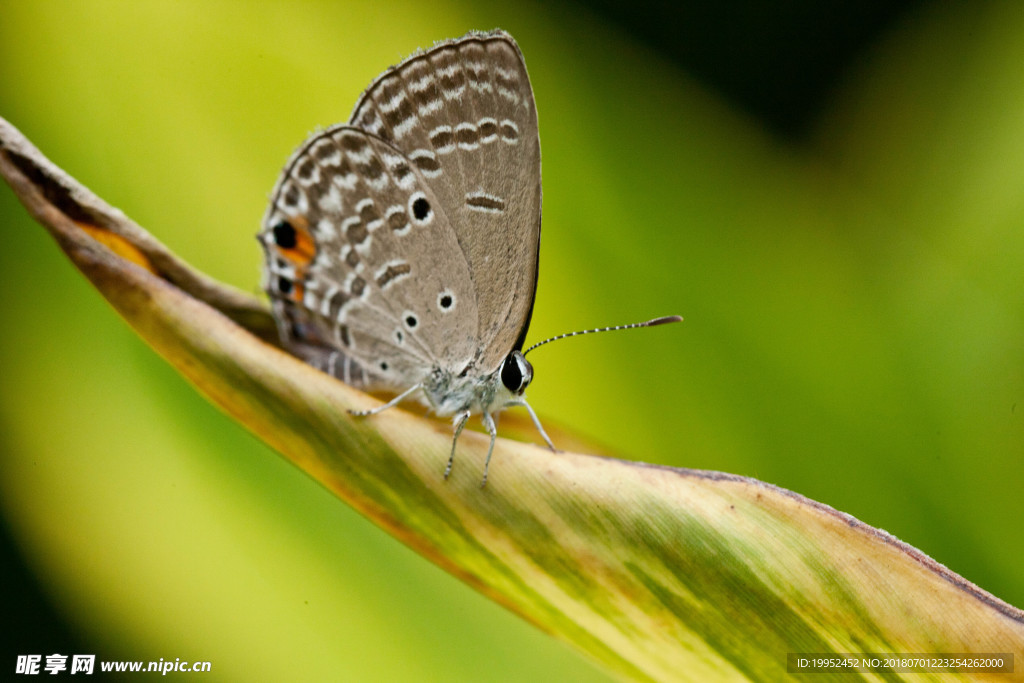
301	255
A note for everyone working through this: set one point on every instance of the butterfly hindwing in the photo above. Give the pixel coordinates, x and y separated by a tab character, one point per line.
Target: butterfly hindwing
363	266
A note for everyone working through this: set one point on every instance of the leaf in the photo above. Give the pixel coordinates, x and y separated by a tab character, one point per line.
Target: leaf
653	572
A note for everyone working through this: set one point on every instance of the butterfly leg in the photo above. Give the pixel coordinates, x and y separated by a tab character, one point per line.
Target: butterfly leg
460	422
390	404
493	431
536	423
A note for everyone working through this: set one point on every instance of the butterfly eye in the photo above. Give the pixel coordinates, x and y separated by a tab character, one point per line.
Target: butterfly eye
516	373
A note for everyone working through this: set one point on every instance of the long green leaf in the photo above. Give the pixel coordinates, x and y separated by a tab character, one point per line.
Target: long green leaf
655	573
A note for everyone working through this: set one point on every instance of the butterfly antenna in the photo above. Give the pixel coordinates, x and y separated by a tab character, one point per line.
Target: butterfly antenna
648	323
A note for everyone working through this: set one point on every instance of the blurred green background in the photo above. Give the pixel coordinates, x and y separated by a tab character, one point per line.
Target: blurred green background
831	194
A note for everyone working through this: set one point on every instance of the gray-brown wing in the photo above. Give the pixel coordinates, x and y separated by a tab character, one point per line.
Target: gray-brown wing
463	112
362	265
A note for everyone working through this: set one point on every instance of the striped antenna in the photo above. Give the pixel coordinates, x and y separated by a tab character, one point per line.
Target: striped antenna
649	323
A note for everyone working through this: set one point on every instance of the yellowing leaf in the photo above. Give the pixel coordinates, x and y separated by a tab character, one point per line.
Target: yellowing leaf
655	573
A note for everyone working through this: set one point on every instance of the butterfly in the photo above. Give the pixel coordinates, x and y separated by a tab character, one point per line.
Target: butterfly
401	248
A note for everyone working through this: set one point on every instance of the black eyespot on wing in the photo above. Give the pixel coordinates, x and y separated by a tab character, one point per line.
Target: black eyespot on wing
446	301
284	285
411	321
284	235
421	208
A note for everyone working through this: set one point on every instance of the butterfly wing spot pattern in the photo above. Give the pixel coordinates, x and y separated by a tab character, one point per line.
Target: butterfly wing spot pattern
380	236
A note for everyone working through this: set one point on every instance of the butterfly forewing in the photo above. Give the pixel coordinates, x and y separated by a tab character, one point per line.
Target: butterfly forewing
463	113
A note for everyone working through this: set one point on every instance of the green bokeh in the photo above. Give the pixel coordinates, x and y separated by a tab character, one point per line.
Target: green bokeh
854	316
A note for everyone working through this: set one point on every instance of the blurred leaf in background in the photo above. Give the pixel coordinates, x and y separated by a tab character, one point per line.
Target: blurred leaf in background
837	210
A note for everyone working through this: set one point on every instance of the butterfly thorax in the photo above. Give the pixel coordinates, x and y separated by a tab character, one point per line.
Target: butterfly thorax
449	393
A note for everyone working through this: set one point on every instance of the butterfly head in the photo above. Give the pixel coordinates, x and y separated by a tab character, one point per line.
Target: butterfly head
516	373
